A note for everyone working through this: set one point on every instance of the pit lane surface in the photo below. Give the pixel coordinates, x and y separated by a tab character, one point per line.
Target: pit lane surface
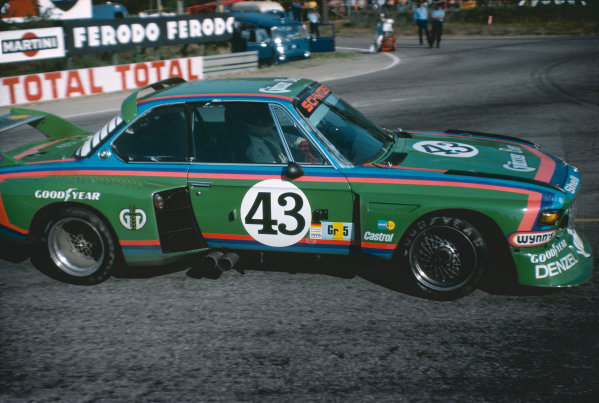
166	335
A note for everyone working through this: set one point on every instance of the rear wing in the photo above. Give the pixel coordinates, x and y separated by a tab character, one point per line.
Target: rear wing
51	126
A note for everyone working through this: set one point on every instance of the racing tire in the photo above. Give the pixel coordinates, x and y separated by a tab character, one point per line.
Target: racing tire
76	247
445	256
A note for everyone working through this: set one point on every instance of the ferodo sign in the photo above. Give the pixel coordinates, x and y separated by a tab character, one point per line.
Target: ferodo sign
114	35
31	44
74	83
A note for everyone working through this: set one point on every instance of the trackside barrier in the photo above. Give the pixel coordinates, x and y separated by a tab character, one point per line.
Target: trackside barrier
230	63
100	80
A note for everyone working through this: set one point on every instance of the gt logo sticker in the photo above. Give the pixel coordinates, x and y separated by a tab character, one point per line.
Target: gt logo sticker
132	218
446	149
276	213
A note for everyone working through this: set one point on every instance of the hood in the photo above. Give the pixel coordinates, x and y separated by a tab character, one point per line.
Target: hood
483	155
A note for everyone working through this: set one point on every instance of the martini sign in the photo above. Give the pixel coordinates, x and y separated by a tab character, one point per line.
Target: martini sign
31	44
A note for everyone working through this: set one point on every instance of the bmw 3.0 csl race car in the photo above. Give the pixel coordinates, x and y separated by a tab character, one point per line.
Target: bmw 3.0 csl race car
284	165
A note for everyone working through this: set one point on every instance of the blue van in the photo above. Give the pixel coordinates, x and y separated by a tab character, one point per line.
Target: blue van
275	38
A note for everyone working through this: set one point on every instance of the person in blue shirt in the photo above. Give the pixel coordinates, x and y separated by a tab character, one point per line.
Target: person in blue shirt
437	15
421	18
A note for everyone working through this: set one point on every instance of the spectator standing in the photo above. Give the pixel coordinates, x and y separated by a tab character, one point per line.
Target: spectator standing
296	10
437	15
421	18
314	19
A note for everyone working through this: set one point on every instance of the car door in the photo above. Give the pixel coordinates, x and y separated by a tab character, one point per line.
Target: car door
155	211
243	193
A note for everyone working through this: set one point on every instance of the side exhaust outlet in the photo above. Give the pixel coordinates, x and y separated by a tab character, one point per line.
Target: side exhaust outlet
228	261
210	261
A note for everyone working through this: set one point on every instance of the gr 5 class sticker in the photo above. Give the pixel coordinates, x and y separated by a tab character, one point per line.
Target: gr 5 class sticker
446	149
276	213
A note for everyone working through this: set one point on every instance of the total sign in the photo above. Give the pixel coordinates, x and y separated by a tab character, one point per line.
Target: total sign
31	44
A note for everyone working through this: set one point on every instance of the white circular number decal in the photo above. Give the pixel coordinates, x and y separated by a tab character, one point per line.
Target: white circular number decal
276	213
446	148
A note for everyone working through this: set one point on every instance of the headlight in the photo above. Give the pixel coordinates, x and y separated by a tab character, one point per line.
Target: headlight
549	217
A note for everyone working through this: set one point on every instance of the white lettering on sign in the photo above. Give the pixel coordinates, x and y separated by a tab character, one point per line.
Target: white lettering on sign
74	83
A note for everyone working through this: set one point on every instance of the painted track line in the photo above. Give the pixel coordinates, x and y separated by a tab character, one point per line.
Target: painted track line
395	60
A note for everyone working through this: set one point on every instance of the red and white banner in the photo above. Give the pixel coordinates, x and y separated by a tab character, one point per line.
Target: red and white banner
96	80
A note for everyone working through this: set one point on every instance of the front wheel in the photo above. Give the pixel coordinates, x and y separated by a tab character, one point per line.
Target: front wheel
76	247
445	256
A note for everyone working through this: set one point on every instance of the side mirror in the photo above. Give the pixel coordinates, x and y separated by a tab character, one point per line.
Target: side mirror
293	171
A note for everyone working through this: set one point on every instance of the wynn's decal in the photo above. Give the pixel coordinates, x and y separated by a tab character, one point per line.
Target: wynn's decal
530	239
276	213
446	149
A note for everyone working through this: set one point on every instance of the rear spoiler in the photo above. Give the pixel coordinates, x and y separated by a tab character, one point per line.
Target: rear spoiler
50	125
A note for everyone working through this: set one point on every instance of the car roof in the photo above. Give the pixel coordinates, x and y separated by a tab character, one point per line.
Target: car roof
265	20
175	90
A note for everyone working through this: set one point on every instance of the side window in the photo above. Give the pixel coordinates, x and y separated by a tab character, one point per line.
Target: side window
236	132
160	135
301	149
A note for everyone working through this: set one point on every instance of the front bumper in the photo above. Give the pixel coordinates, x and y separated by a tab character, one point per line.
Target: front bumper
563	262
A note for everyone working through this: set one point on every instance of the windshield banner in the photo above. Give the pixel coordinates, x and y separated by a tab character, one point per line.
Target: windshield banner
313	99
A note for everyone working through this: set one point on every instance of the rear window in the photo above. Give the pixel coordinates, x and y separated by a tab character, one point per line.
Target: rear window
100	137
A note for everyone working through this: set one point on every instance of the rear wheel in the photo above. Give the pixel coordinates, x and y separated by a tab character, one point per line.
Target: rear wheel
445	256
76	247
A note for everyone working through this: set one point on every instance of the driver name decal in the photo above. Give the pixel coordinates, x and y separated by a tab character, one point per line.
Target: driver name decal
314	99
276	213
446	149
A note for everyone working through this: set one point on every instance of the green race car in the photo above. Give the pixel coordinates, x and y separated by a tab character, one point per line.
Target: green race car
265	165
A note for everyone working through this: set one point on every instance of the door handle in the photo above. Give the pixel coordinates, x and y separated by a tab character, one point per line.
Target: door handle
200	184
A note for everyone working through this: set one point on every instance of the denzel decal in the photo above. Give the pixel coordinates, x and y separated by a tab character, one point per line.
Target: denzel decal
276	213
446	149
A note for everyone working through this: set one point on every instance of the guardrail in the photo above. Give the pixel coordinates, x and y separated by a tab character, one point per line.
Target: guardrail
230	63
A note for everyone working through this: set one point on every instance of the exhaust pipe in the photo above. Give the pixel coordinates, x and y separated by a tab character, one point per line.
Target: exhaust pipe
210	261
228	261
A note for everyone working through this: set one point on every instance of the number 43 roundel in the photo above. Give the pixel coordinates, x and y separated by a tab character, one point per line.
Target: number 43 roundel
276	213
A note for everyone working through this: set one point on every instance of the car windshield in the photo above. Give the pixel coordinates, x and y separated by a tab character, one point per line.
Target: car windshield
349	132
289	32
